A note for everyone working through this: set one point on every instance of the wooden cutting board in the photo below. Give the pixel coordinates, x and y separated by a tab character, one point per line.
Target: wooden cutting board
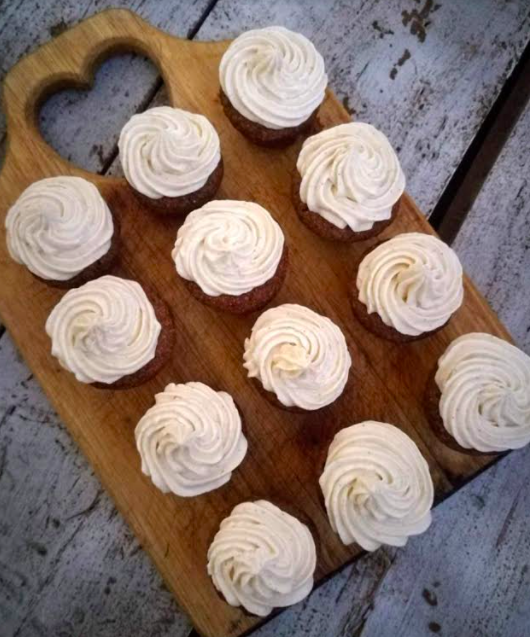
286	451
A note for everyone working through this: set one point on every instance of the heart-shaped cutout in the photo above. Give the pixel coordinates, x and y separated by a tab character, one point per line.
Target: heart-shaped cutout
83	123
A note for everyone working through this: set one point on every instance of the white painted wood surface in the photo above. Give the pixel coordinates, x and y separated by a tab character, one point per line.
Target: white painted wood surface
68	564
494	241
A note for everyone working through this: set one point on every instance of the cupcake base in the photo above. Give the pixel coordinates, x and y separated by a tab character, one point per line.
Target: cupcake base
432	410
251	301
100	267
323	228
373	322
163	350
185	204
273	399
261	135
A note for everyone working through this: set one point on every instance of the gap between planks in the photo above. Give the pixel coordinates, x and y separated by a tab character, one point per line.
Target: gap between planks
466	183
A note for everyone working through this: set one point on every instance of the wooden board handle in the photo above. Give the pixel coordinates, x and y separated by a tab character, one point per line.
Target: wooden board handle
48	69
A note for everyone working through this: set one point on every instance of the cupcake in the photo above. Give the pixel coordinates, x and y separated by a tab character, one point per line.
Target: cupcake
262	558
408	287
231	255
62	230
110	334
191	440
272	83
479	398
348	182
171	159
377	486
300	358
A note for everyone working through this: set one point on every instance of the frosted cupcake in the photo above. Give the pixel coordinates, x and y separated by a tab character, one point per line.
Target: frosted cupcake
408	287
62	230
377	486
191	440
479	399
171	159
262	558
348	182
231	255
300	357
110	334
272	83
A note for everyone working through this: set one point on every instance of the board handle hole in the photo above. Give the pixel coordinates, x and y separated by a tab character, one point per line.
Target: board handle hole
82	120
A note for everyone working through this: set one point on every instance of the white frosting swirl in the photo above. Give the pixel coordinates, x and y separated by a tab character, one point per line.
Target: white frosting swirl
413	281
377	486
228	247
273	77
262	558
351	176
191	440
485	387
104	330
299	355
58	227
168	152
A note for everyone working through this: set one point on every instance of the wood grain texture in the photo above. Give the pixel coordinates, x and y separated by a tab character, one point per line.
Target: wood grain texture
83	126
494	241
175	532
425	71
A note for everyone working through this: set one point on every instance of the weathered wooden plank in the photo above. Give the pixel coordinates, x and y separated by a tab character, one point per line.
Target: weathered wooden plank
494	241
84	126
68	563
425	71
470	575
